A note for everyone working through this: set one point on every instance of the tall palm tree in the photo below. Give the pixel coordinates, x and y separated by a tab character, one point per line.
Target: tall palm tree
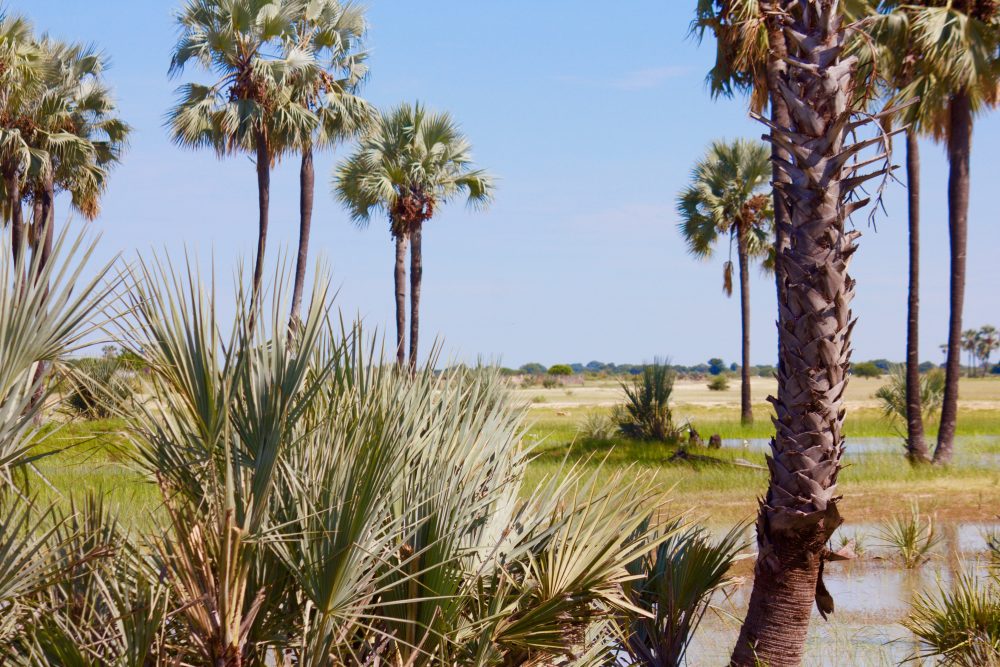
899	64
958	43
989	342
799	512
331	32
80	139
727	197
409	165
248	108
970	341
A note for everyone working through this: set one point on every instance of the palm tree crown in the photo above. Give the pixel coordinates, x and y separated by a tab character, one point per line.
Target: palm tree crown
728	196
242	43
411	163
84	135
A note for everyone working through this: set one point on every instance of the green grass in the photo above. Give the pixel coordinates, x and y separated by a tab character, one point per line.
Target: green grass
95	457
554	429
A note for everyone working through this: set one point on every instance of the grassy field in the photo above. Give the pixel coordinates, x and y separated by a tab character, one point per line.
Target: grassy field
94	456
875	485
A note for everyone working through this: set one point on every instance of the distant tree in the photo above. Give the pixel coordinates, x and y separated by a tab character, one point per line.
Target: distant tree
987	342
577	368
866	369
926	366
560	369
596	366
884	364
533	368
716	366
727	200
412	162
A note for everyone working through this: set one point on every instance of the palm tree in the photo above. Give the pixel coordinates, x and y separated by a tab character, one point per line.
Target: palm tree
411	163
970	344
726	198
989	342
957	43
80	138
900	64
799	512
248	108
331	32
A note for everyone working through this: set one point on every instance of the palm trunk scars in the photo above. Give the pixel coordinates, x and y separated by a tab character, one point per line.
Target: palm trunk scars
799	512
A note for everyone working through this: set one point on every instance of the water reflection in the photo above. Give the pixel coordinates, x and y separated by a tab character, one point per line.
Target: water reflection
872	595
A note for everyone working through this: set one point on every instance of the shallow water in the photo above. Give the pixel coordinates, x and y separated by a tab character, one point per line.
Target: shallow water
872	595
859	446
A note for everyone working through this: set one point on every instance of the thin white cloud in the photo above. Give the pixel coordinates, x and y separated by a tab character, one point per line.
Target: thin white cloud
650	77
646	78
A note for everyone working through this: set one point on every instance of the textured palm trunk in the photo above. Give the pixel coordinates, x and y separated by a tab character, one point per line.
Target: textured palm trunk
41	247
799	511
16	217
916	446
776	68
399	278
416	276
746	407
959	149
307	186
263	206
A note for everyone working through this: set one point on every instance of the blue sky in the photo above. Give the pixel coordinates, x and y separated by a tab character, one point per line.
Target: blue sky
591	114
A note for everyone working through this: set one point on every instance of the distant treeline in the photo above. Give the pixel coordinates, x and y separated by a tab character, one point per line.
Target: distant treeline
715	366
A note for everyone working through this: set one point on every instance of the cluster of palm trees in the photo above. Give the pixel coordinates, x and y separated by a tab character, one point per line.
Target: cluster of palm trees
59	132
941	58
980	344
818	68
288	76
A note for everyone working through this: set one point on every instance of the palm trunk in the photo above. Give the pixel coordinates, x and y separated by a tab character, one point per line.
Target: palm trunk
799	511
399	276
746	409
416	276
776	68
916	446
48	222
959	148
16	217
263	205
44	223
307	182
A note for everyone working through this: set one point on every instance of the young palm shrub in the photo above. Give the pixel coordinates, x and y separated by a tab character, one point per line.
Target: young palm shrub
674	587
322	508
892	397
912	537
96	388
646	411
960	624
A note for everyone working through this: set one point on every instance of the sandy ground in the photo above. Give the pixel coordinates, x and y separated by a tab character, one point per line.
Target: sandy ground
975	394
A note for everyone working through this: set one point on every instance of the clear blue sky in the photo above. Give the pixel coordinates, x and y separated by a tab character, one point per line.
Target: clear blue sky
591	114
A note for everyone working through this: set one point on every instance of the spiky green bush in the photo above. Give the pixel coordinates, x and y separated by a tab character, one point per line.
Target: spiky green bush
674	585
323	508
959	624
96	388
911	536
645	413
